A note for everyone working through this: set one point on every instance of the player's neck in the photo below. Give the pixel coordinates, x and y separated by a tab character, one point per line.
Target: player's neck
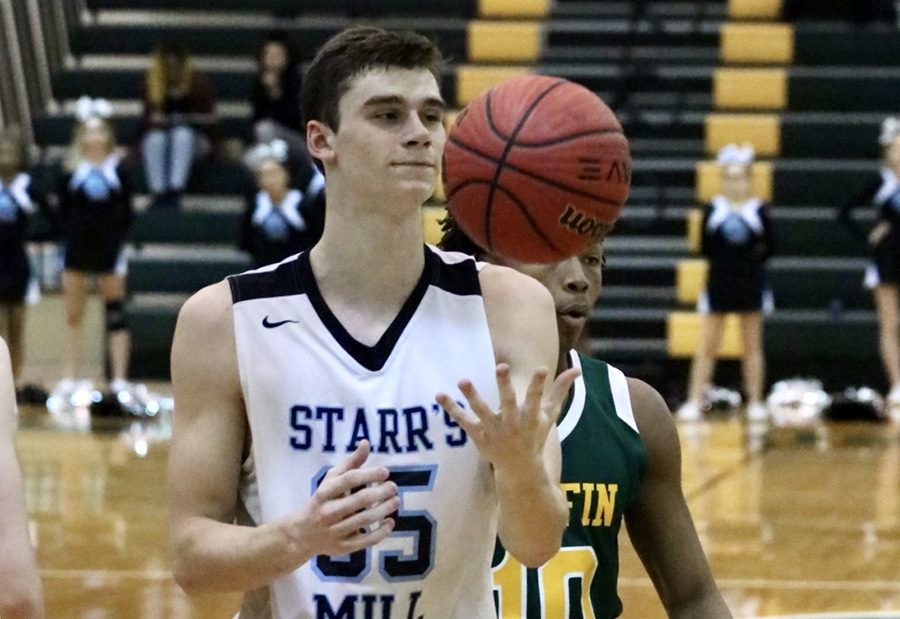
368	257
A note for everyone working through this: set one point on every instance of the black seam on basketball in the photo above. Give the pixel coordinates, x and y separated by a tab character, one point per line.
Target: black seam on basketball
532	175
509	144
523	210
566	138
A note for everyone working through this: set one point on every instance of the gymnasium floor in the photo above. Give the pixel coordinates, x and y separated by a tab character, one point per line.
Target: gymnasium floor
794	522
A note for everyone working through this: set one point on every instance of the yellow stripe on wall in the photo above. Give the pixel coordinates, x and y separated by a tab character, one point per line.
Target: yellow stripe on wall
757	43
513	8
754	9
504	41
763	131
683	331
431	223
709	177
764	89
690	278
471	80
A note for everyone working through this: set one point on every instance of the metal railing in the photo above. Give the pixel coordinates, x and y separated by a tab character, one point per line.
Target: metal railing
34	45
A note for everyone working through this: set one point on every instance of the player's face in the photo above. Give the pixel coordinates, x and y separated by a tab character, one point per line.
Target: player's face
391	136
736	182
272	177
575	285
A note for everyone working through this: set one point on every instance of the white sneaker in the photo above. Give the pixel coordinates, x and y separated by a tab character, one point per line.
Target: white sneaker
893	398
757	411
689	411
59	397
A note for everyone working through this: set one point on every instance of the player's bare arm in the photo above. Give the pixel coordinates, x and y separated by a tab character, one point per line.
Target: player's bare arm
210	552
520	439
20	586
659	522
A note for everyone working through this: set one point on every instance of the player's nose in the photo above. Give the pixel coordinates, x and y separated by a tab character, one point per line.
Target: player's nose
417	134
572	274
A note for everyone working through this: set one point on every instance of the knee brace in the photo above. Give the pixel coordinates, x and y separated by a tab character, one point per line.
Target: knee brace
115	316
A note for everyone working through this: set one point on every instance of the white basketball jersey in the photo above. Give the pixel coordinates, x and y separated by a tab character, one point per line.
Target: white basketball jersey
312	392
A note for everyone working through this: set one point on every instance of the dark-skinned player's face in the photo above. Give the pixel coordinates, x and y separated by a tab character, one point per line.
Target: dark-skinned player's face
575	285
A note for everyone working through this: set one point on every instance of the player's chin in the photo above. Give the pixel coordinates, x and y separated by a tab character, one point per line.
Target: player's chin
569	328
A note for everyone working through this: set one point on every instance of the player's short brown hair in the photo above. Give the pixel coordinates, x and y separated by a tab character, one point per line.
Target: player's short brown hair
352	51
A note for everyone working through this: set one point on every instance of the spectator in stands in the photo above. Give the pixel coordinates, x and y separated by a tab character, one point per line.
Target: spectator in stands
736	241
276	96
883	274
281	219
179	122
93	200
16	207
20	585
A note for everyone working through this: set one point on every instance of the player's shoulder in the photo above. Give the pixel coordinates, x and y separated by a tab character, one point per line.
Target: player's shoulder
655	422
208	310
508	287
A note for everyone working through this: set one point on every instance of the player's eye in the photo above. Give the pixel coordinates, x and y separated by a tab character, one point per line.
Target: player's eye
433	116
387	114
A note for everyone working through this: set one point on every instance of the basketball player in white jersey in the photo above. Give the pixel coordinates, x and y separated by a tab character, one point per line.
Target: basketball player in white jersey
312	395
20	585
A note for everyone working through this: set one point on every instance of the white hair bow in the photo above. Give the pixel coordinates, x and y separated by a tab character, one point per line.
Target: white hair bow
276	149
733	153
890	127
86	108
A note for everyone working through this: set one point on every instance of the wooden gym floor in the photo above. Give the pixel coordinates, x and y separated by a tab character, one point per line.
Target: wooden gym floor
793	521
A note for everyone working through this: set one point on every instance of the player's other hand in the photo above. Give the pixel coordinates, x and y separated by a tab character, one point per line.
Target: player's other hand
512	438
349	510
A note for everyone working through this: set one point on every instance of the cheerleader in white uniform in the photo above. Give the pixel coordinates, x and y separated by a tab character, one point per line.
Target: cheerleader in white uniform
736	241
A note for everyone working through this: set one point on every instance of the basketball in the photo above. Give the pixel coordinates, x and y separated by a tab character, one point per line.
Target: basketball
534	168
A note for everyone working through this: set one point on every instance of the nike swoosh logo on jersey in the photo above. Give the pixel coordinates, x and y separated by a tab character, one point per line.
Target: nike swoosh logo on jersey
272	325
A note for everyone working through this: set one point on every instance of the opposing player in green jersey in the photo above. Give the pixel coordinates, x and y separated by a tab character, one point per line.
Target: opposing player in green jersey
620	459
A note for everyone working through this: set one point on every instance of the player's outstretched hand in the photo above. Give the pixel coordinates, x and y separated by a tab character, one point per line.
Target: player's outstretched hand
516	434
350	508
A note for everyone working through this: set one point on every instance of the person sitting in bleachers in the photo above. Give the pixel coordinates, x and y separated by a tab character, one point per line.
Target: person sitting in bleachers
883	240
736	241
276	96
281	219
179	122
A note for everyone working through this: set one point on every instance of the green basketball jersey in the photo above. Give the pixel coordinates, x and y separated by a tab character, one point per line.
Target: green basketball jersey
603	461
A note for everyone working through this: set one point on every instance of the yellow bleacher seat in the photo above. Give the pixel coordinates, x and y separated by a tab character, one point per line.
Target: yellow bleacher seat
683	335
763	131
431	223
473	80
756	89
504	41
690	279
757	43
513	8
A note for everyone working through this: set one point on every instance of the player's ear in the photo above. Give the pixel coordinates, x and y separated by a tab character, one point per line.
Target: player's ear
320	141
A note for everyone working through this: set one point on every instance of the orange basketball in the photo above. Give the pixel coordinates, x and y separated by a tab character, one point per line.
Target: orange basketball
534	167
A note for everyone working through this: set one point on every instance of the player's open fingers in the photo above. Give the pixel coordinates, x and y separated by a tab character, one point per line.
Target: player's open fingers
466	420
558	391
484	412
361	500
509	404
336	487
535	392
366	540
353	461
366	518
